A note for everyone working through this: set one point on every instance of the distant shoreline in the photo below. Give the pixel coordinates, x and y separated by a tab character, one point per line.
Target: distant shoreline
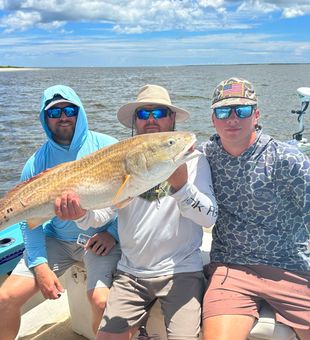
13	69
8	68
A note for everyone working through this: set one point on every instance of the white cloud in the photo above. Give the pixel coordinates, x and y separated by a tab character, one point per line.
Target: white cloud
211	3
128	30
258	6
202	32
20	20
138	16
132	17
292	12
288	9
201	49
52	26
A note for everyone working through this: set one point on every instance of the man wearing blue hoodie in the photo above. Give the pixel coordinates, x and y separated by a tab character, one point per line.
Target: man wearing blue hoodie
51	248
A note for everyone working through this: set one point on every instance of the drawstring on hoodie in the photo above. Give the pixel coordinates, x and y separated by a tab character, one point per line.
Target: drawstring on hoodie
132	125
226	275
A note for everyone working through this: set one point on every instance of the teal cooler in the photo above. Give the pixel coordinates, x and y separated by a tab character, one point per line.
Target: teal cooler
11	248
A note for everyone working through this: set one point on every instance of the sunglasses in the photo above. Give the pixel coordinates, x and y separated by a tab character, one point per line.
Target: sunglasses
242	111
69	111
157	113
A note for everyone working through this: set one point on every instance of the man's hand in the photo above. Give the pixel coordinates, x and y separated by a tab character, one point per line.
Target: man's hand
48	282
101	243
67	207
179	178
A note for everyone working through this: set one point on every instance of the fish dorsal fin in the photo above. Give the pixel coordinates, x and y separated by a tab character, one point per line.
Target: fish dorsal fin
35	222
120	190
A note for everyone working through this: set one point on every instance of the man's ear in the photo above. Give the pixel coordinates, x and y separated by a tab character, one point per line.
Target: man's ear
212	119
257	115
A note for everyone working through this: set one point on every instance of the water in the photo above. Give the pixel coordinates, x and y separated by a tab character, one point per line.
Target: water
104	90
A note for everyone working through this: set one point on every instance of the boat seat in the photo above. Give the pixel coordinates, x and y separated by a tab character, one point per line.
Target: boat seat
264	329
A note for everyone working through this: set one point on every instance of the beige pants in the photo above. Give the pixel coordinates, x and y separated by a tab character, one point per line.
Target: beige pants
62	255
131	299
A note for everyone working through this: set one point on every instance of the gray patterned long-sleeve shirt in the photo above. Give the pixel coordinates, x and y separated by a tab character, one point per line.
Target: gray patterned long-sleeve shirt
264	204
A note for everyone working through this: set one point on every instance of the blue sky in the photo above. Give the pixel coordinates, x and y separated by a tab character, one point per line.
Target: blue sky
54	33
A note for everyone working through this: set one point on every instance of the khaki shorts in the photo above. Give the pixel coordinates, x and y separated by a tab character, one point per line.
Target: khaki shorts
131	298
236	289
62	255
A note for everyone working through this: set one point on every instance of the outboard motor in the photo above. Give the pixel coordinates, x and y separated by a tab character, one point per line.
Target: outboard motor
298	139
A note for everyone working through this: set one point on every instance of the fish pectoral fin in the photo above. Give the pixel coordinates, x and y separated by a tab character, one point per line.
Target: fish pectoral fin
35	222
124	203
120	190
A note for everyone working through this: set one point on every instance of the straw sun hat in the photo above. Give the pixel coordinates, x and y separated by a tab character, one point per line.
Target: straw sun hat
150	95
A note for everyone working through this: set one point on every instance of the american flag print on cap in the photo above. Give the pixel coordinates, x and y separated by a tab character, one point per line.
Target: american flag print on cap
234	91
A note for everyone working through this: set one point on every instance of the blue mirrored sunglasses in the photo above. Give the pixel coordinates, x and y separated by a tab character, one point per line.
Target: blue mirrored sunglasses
157	113
242	111
69	111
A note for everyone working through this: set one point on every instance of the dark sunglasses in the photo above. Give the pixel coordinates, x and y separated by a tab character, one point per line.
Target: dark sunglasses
69	111
242	111
157	113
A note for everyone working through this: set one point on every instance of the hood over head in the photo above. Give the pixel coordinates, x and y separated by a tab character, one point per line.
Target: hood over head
59	92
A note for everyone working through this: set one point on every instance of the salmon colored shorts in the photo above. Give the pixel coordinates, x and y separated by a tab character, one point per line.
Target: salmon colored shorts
239	289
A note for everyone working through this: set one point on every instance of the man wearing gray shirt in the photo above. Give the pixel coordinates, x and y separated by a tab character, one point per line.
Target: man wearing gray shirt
260	239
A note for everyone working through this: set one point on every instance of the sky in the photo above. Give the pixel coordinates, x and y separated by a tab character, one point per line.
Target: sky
93	33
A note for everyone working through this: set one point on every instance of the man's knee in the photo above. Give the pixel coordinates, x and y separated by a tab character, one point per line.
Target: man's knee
10	299
98	297
16	291
99	303
4	298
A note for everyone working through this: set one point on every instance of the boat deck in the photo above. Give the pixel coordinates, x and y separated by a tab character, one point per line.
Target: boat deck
46	320
52	319
49	320
58	330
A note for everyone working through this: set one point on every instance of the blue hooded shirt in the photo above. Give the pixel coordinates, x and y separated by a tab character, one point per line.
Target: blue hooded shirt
51	154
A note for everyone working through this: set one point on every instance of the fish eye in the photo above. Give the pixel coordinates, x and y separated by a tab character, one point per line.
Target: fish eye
171	141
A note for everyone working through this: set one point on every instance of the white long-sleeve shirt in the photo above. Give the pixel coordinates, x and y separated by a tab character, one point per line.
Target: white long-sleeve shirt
164	236
95	218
